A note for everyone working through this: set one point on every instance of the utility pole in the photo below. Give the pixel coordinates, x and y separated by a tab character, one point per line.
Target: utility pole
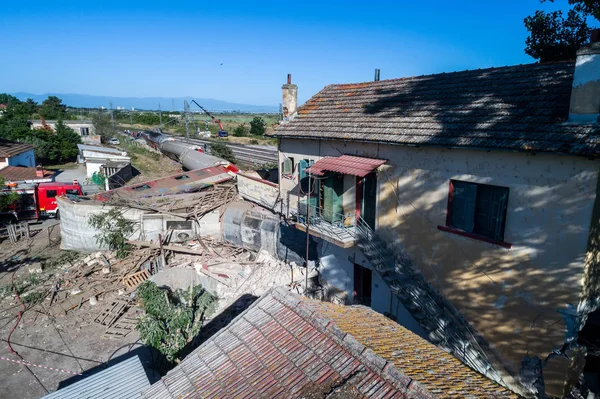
307	232
187	130
112	117
159	114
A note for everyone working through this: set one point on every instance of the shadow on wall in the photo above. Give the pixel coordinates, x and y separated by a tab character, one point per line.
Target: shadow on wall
522	307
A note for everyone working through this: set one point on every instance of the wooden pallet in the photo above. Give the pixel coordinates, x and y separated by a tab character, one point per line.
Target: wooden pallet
113	310
133	280
74	301
121	328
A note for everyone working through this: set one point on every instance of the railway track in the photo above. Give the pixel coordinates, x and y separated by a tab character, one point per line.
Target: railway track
246	154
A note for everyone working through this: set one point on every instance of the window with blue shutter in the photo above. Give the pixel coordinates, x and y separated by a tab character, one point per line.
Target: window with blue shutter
478	209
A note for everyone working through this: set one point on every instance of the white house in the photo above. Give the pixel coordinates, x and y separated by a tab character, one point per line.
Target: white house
85	128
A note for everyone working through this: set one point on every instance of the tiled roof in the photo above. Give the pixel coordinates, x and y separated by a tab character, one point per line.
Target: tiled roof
520	108
347	164
436	370
11	148
21	173
285	346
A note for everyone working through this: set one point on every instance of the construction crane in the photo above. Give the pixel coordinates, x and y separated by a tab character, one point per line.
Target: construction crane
222	132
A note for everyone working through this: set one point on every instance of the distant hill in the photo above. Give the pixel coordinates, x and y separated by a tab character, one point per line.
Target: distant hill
145	103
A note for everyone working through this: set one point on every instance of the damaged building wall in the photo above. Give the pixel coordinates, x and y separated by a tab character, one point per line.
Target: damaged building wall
247	226
519	298
78	235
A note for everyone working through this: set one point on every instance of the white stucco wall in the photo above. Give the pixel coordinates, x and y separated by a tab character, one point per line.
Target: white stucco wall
26	158
337	270
516	298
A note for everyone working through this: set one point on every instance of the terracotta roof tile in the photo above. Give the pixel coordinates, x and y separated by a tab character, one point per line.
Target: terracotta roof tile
521	108
11	148
21	173
286	346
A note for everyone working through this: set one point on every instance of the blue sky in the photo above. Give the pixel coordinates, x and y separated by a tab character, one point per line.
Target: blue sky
175	48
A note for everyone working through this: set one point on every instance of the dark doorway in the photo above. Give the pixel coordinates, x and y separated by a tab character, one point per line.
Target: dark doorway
369	199
362	285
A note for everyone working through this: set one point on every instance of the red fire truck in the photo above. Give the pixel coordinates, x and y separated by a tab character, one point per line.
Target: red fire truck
36	201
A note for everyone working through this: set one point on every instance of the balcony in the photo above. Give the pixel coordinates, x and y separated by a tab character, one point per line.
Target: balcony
337	229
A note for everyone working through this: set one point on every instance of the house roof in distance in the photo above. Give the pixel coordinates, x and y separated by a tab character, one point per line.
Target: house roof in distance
518	108
288	346
11	148
22	173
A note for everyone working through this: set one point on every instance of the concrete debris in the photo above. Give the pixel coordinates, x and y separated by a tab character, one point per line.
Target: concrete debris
93	301
35	268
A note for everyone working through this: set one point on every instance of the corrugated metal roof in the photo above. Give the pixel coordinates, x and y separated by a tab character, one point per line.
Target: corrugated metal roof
517	108
123	380
346	164
83	147
287	346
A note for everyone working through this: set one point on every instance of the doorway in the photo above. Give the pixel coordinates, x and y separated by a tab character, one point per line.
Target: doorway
363	278
368	202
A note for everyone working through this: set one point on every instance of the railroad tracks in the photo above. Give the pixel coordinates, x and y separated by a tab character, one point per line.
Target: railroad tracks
245	154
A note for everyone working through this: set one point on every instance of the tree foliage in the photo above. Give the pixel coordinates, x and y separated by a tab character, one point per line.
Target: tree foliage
52	108
241	131
113	230
103	126
552	37
172	319
6	198
222	151
50	146
258	126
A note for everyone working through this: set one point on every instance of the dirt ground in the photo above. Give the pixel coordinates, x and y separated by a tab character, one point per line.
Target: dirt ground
72	342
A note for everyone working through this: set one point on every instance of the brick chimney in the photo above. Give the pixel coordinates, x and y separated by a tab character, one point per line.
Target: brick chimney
585	94
290	99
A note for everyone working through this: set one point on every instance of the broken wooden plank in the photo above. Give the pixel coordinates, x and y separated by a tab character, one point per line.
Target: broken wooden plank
149	244
111	312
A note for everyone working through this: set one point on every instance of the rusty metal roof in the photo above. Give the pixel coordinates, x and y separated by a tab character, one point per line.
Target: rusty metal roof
22	173
9	149
286	346
346	164
517	108
185	182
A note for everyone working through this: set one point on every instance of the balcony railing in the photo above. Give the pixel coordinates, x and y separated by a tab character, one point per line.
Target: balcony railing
333	227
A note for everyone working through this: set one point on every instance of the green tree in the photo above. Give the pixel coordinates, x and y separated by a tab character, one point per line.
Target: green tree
222	151
66	140
258	126
114	230
103	125
6	198
240	131
172	319
552	37
52	108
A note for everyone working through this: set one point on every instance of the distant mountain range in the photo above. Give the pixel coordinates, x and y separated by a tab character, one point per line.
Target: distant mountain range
145	103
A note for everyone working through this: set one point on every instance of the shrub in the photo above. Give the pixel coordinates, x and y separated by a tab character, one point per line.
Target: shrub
222	151
172	319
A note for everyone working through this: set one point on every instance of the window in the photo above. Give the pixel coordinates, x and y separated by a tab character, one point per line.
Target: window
72	192
179	225
303	164
182	177
84	131
478	209
140	188
287	166
50	193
